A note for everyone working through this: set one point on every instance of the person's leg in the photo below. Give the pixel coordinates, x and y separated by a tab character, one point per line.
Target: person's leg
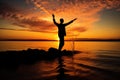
61	42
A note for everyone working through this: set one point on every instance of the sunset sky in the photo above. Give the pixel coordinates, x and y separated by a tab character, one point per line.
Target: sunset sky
32	19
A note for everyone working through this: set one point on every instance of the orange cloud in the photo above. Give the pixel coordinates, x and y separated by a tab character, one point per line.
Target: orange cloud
87	12
32	23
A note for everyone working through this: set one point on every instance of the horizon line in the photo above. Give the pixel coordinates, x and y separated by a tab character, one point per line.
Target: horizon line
78	39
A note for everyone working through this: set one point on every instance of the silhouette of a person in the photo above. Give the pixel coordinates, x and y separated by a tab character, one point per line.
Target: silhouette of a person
61	30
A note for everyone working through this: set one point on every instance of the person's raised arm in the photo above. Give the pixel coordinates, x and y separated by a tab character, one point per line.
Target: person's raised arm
54	19
70	21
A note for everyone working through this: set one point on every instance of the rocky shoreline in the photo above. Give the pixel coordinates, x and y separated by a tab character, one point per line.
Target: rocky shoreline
30	56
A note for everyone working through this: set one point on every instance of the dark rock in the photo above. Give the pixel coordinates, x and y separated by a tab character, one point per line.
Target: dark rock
30	56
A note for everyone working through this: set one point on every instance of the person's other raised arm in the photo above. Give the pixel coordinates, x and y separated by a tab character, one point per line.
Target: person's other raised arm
70	21
54	19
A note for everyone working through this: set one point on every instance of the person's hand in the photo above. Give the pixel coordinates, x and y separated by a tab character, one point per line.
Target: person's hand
53	15
75	19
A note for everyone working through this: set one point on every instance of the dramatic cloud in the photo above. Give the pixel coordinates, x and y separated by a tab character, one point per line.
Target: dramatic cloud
87	11
16	18
37	25
40	19
7	11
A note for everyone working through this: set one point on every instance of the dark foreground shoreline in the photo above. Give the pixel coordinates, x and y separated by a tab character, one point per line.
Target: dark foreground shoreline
30	56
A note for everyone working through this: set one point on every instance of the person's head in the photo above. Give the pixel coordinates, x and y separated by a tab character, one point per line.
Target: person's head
61	20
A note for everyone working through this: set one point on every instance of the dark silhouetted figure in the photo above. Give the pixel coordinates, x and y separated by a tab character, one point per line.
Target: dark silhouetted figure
61	30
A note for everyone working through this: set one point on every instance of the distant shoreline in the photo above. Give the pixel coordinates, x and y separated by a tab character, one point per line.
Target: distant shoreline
113	40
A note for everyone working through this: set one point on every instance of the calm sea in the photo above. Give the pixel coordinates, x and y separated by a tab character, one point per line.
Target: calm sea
97	61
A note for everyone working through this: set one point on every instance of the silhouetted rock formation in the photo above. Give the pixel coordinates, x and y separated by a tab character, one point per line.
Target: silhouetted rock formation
30	56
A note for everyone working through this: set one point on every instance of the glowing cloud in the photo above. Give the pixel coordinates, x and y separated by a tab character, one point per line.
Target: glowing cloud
40	19
87	11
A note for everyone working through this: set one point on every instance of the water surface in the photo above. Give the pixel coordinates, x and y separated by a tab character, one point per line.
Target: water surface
97	61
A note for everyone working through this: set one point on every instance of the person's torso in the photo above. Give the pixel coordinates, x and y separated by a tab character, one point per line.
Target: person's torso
61	30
